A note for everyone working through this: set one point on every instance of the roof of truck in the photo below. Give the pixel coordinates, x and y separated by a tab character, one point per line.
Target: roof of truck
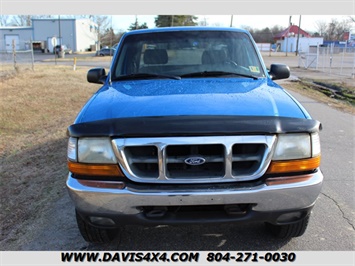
186	28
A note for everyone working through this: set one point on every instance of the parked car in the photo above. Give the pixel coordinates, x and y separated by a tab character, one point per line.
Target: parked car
200	135
106	52
59	48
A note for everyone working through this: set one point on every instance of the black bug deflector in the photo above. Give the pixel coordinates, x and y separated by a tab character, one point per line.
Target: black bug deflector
192	126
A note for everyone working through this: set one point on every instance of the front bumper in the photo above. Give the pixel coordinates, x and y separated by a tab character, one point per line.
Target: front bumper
128	205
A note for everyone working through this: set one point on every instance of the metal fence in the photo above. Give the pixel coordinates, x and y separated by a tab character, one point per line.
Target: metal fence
264	47
332	60
16	55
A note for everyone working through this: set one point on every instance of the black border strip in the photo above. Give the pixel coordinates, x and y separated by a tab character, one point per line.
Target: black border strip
192	126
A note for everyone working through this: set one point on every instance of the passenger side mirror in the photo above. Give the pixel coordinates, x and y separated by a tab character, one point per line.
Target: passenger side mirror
279	71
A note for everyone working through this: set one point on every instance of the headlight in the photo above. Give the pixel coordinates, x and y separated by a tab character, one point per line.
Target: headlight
295	153
95	150
92	157
293	146
91	150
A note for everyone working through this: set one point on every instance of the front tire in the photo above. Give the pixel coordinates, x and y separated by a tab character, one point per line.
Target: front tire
94	234
288	231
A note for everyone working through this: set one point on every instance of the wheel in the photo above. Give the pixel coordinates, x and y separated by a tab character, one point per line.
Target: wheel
94	234
288	231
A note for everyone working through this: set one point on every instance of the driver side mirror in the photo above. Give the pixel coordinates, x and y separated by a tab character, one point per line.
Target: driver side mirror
97	75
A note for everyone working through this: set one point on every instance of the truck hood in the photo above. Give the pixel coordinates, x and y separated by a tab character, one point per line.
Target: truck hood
196	97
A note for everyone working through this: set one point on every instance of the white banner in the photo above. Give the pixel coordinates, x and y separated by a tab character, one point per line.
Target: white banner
295	258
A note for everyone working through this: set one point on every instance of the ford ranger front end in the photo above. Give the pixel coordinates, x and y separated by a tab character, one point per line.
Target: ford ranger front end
189	127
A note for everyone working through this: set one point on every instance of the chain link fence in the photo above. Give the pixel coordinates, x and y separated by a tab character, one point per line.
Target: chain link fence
16	55
331	60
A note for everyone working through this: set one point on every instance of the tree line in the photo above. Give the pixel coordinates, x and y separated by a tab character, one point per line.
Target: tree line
330	31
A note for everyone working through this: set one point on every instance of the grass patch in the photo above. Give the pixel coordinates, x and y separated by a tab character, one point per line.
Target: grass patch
340	91
336	95
36	109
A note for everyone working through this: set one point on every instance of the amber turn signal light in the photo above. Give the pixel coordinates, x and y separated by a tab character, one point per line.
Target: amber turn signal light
94	169
302	165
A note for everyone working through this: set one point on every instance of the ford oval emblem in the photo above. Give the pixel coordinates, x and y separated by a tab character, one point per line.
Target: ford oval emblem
195	161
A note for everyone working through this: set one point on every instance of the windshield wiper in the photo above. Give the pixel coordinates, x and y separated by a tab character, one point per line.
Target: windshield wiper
216	74
145	76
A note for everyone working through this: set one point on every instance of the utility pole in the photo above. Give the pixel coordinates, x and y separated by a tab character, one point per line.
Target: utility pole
60	32
231	21
298	35
288	32
111	33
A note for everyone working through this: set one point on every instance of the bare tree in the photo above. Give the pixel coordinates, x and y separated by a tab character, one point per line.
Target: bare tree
4	20
110	38
26	20
334	30
103	23
321	27
22	20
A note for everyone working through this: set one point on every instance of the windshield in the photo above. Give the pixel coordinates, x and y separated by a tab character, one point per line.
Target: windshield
191	54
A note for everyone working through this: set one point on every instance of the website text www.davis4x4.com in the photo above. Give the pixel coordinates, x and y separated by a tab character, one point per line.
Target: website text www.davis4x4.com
166	257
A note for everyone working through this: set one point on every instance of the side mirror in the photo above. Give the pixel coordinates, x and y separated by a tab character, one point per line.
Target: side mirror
279	71
96	75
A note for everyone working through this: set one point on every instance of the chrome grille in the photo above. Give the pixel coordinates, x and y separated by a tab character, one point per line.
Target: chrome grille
176	156
143	160
213	159
246	158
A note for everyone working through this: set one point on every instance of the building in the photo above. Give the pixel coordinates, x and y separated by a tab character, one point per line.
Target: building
77	34
349	38
286	40
18	38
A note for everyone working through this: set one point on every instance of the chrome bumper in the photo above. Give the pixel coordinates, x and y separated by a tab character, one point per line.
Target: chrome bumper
128	201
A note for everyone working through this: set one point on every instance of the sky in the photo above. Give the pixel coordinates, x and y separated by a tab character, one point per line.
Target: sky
308	22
